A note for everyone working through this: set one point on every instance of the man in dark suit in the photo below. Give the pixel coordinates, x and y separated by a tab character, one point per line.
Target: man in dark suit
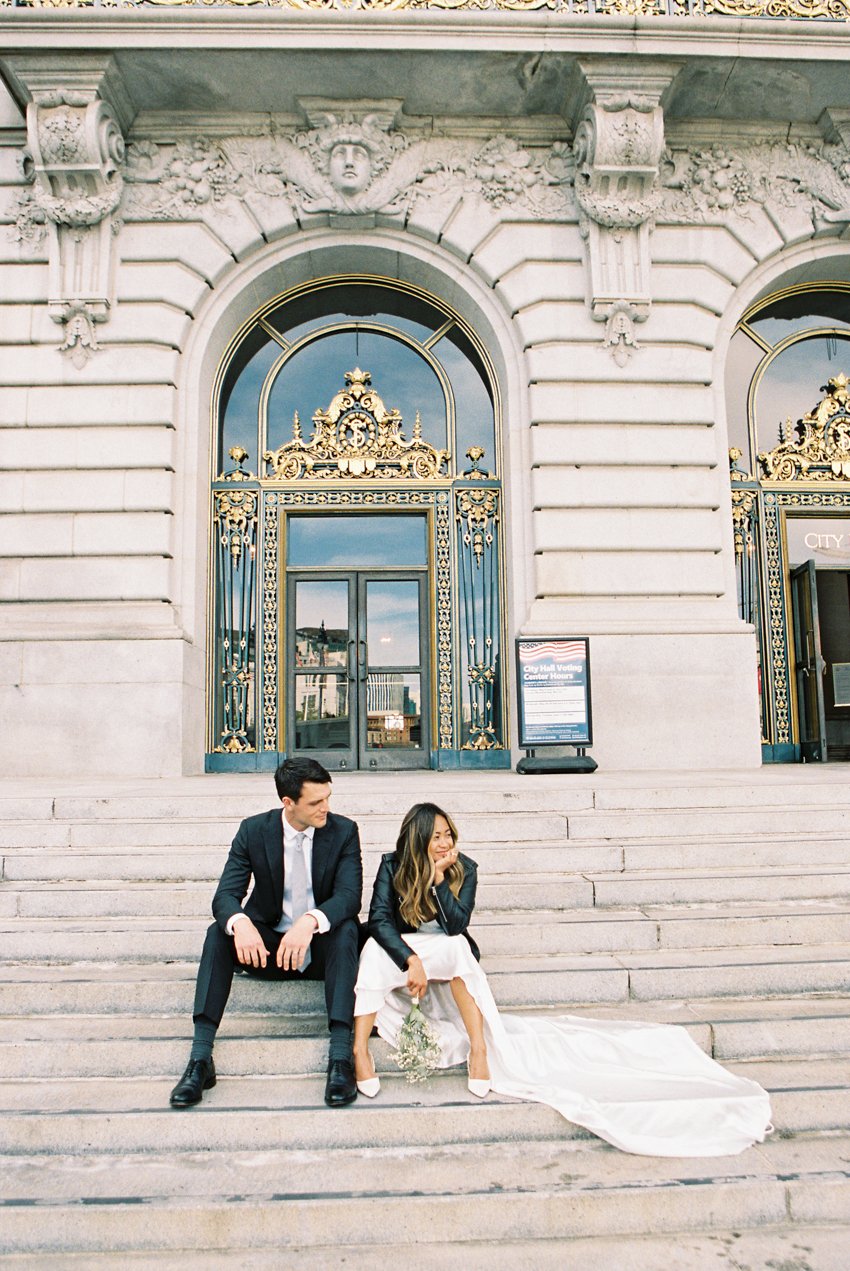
299	921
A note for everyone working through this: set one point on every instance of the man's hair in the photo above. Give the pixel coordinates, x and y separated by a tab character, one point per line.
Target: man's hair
292	773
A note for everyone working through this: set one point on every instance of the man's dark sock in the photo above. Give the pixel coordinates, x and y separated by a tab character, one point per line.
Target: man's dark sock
202	1046
340	1046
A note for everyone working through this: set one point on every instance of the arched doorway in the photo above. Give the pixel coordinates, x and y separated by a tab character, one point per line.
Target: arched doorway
356	607
789	429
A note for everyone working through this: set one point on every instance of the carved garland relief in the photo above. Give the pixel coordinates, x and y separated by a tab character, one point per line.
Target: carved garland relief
617	179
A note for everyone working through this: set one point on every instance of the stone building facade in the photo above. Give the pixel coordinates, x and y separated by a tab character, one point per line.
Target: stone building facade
341	345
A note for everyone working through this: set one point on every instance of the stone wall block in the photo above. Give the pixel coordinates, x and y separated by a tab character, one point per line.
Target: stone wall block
756	232
105	491
76	404
794	224
471	224
689	244
665	364
679	324
639	573
148	491
22	535
35	365
190	243
512	243
10	584
97	661
274	216
132	533
618	444
11	491
147	324
163	282
620	403
24	324
22	284
692	285
99	578
237	229
427	218
627	529
538	280
90	448
624	487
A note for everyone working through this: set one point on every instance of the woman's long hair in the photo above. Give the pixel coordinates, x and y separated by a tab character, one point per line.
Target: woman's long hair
414	875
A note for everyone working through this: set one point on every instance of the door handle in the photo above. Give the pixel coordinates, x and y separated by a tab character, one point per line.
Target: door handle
362	663
352	673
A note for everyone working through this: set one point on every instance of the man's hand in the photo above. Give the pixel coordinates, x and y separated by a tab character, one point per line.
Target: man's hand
250	949
296	942
417	980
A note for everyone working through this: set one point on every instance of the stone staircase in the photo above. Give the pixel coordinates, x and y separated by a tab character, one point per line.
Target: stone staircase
721	902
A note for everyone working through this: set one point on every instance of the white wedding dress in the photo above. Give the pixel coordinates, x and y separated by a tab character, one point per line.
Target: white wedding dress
646	1088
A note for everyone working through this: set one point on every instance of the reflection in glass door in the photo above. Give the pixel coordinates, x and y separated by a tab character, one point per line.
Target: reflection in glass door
358	674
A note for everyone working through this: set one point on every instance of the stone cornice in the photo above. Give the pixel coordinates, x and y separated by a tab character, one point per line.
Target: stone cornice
461	31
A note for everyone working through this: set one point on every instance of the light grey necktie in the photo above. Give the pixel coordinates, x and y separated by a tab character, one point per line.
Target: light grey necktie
299	887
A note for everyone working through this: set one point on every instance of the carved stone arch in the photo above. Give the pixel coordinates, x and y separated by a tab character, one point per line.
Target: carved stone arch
382	255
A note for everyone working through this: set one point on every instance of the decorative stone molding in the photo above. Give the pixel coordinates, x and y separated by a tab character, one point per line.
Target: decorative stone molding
710	184
75	149
618	146
353	159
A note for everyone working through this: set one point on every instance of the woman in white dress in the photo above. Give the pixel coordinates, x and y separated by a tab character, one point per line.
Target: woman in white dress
646	1088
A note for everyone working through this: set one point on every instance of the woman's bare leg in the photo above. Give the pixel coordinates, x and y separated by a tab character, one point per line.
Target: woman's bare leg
364	1068
473	1022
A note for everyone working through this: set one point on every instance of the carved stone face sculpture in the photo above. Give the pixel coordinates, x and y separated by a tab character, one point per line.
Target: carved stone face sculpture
350	168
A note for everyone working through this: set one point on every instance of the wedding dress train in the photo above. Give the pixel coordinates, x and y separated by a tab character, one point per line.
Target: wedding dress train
646	1088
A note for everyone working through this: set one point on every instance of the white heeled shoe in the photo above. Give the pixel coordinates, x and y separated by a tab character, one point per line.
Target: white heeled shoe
479	1086
371	1085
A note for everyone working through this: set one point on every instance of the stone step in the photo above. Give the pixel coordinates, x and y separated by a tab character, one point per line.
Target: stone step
792	1247
154	922
703	885
508	1191
673	823
81	1116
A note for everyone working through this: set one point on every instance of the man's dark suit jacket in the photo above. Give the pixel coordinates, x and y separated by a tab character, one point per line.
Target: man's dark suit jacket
258	850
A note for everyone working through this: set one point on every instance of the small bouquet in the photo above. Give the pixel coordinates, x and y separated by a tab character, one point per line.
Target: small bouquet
419	1048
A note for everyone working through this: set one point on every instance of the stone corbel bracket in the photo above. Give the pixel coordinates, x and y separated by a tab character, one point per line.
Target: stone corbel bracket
618	144
76	118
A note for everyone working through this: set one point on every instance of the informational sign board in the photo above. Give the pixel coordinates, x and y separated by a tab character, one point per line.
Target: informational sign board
553	683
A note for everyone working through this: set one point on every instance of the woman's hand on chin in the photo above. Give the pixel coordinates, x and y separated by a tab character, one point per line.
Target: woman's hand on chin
442	863
417	980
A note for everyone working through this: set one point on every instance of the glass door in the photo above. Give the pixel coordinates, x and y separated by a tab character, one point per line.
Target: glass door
809	663
358	683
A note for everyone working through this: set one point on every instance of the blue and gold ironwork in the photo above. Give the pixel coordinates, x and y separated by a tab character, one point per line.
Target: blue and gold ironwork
357	436
235	517
799	475
477	515
821	451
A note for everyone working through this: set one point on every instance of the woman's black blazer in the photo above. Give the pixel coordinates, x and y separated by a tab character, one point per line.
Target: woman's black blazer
453	912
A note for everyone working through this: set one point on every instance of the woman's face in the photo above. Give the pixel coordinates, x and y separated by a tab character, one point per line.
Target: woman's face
441	840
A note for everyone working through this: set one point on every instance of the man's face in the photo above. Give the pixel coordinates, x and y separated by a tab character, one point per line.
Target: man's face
310	808
350	168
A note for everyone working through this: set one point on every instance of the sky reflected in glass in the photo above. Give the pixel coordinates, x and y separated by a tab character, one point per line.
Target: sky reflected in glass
791	385
353	541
